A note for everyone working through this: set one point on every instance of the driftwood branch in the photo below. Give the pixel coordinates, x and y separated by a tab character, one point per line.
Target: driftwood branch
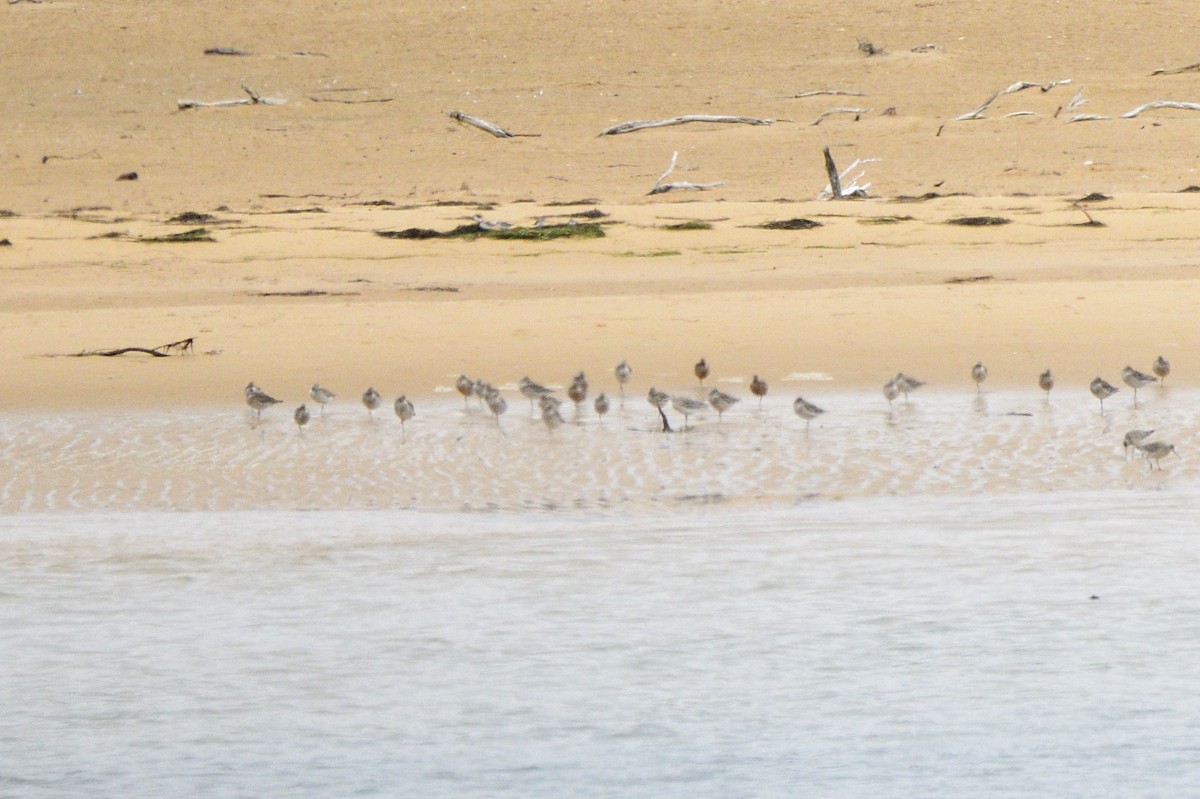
315	99
819	92
1020	85
484	125
1160	104
681	185
174	348
858	114
1177	70
838	188
254	99
629	127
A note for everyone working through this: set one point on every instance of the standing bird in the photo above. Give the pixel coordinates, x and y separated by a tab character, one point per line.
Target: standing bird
1162	368
658	399
701	370
404	411
301	417
891	390
1102	390
532	391
907	383
806	410
320	395
466	387
687	406
371	400
578	391
497	405
550	415
1135	380
1156	451
1045	383
259	400
721	402
601	405
978	374
623	373
758	387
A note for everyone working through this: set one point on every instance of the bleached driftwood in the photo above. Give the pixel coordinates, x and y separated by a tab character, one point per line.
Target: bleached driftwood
858	113
1020	114
682	185
254	99
488	127
1177	70
1020	85
838	188
1077	100
819	92
1160	104
629	127
1086	118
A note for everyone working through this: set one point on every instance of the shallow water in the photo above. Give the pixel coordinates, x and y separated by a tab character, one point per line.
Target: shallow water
453	458
869	647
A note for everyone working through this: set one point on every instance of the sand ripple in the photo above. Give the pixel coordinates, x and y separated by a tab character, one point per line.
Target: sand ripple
456	459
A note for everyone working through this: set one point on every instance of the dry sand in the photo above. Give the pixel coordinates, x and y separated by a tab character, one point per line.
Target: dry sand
299	288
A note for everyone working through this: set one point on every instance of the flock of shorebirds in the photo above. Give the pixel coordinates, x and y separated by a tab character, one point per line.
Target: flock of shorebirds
549	405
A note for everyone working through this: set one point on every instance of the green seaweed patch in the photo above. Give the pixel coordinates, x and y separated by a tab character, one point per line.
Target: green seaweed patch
799	223
691	224
195	234
586	230
978	221
884	220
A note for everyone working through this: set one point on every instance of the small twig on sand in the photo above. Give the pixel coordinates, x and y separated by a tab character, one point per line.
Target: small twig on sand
858	114
175	347
663	188
484	125
629	127
1177	70
254	99
1160	104
819	92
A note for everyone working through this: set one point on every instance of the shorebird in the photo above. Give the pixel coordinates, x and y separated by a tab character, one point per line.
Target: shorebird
320	395
259	400
371	400
701	370
721	402
404	411
758	387
978	374
550	415
1102	390
578	390
623	373
657	398
1135	380
488	224
806	410
601	405
466	387
497	405
252	388
1045	383
687	406
891	390
1133	438
1156	451
905	384
1162	368
301	417
532	391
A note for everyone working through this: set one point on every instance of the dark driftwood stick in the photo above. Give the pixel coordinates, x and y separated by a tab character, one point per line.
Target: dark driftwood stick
163	351
835	182
666	424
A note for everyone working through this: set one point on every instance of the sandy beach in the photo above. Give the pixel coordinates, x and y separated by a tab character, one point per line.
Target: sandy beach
297	286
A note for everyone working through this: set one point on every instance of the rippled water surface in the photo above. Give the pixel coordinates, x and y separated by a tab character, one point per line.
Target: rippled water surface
860	648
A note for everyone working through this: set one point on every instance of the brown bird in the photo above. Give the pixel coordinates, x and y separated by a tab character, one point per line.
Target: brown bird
1046	382
1162	368
701	370
758	387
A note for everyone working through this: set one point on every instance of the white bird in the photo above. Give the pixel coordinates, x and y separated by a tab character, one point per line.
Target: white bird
687	406
1135	380
806	410
320	395
721	401
404	411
